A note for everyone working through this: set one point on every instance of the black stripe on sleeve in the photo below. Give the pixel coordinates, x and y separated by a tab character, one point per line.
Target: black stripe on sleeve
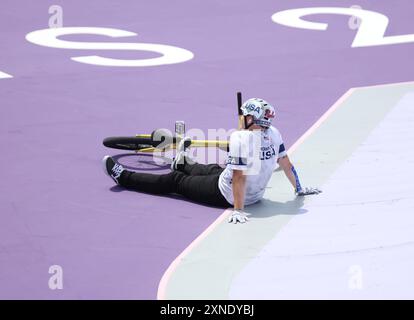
237	161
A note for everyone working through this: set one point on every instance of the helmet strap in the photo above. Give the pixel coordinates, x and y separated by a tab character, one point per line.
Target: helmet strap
247	126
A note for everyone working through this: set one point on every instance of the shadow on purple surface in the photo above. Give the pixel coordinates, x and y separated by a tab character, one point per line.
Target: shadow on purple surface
170	196
140	161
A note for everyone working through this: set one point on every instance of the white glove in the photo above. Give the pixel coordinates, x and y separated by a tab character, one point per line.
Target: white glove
307	191
238	216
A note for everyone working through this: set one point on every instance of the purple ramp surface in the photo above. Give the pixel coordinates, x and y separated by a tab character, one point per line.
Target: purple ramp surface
58	208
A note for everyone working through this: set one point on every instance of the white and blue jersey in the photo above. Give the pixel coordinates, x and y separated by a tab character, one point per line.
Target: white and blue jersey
256	153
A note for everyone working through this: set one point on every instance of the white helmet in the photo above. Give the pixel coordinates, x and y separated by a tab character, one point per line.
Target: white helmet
262	112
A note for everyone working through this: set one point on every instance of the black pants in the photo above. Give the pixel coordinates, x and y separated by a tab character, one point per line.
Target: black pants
196	182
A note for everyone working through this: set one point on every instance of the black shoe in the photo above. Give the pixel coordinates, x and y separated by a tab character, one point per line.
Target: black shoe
112	169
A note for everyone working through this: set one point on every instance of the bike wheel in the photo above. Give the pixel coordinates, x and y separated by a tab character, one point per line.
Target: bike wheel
128	143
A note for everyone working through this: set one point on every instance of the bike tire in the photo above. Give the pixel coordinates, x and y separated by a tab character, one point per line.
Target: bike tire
128	143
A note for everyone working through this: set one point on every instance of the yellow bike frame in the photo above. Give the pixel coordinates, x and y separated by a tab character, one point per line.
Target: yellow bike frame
221	144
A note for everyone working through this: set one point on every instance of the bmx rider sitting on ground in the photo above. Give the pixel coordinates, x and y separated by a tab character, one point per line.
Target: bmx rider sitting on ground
254	153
